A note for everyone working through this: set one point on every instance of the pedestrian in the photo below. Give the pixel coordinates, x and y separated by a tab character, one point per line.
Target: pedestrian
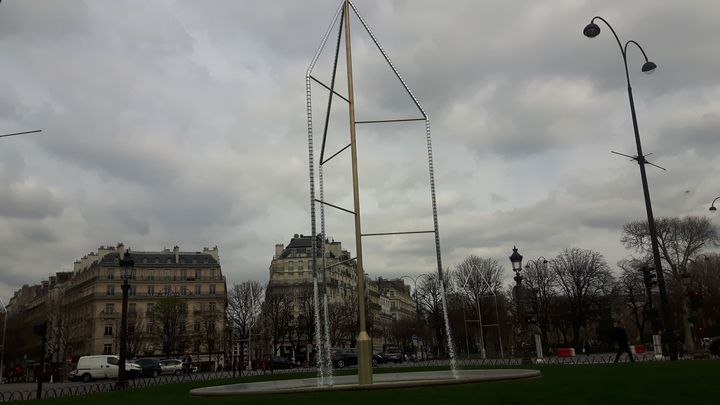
187	363
621	338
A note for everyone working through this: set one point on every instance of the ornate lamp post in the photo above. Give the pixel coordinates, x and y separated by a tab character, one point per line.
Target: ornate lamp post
127	264
712	206
2	354
516	260
591	31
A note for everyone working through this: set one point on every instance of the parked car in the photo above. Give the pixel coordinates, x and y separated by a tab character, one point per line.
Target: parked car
393	354
150	367
171	366
97	367
343	357
277	362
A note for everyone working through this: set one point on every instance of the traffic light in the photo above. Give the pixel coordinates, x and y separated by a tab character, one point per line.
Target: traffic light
696	299
648	277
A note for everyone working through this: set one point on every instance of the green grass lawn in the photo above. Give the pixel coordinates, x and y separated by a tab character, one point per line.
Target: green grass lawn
688	382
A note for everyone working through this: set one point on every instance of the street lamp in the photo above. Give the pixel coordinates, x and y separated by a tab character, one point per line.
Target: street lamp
712	206
592	30
516	260
127	264
2	354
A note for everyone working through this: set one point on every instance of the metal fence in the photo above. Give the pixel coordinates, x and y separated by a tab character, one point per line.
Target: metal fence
58	390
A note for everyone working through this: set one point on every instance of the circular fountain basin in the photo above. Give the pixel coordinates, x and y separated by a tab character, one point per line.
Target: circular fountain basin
381	381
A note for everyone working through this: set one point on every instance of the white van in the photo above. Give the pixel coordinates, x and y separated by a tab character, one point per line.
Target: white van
96	367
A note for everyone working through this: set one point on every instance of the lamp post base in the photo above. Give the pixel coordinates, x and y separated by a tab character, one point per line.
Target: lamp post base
364	353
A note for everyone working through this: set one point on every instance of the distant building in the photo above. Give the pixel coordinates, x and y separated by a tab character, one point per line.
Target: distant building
291	274
83	307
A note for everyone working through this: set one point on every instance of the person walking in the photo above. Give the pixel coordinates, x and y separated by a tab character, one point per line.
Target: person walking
621	338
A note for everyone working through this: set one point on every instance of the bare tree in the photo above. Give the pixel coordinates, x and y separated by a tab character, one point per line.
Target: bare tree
244	306
706	277
478	276
277	313
136	333
679	239
429	296
302	327
541	284
165	322
583	277
631	289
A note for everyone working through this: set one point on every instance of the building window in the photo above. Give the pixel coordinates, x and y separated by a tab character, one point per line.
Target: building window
167	290
107	348
144	260
211	345
290	265
151	275
183	290
150	307
132	307
151	290
211	306
183	327
210	326
198	273
111	290
183	274
109	308
167	274
196	326
108	330
198	289
196	346
300	265
211	289
133	290
212	273
168	261
111	274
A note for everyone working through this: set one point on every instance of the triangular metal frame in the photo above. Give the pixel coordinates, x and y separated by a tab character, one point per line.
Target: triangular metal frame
323	360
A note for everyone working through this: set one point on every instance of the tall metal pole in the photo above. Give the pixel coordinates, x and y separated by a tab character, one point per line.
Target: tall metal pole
122	375
365	375
2	358
126	263
252	315
664	302
591	31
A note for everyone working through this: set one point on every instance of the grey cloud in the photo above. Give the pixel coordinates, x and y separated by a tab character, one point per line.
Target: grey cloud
184	123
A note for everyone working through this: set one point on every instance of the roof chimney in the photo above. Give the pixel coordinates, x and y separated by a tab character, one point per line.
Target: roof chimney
176	250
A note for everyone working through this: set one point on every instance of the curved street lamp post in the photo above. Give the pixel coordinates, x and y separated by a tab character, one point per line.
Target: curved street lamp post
591	31
712	206
127	264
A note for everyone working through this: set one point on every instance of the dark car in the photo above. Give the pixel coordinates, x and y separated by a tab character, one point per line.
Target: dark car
377	359
274	363
393	354
150	367
342	358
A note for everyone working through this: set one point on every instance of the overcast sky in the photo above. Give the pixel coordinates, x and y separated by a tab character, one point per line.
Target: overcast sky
183	123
